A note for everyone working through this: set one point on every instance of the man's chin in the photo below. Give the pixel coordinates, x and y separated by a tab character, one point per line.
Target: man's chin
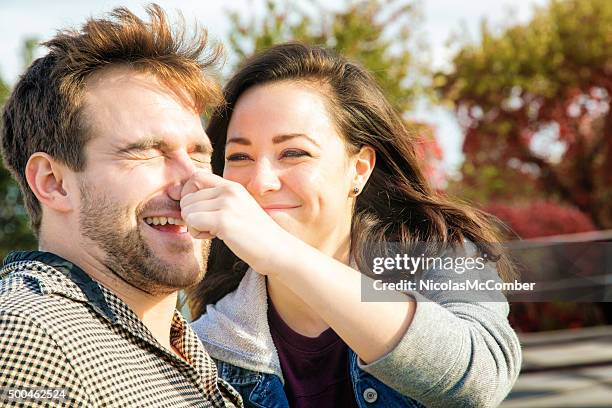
174	263
173	286
176	255
163	277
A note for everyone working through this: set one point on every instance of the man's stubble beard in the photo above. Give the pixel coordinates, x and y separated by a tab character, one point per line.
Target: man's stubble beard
128	255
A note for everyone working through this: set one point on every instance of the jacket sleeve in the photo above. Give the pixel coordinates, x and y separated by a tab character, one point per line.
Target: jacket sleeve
457	352
31	360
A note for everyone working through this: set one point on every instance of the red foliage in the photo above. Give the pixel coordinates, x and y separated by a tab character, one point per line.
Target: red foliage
429	153
541	218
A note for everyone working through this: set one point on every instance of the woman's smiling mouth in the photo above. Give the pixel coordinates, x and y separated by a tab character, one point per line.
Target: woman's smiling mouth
278	207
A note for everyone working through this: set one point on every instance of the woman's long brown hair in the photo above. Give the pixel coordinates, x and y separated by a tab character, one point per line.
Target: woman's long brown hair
396	205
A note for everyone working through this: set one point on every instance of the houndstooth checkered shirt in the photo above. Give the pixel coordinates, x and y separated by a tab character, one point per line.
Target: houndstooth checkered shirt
59	329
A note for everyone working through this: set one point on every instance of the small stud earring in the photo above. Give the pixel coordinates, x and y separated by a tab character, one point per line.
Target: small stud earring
355	190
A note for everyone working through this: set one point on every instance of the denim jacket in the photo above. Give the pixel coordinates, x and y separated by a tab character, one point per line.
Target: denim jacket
455	353
260	390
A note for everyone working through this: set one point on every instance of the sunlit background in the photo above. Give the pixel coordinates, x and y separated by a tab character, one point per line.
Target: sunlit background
511	101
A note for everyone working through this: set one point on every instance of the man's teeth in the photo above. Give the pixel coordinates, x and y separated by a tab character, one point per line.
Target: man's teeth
164	221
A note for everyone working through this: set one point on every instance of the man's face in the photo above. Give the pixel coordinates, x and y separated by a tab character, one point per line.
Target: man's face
146	143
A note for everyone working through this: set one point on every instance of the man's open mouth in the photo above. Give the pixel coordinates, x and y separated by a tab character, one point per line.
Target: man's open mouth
167	224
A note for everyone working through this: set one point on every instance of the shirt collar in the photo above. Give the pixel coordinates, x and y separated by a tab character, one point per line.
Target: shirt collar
61	276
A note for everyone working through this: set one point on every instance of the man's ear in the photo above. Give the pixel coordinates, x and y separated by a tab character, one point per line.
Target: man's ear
46	178
365	160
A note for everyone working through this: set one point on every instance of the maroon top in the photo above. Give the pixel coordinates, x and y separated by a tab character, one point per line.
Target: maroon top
316	369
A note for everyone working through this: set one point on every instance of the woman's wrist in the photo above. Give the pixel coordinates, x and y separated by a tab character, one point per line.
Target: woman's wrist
280	252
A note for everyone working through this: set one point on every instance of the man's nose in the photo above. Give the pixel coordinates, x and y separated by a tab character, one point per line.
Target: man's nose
181	170
264	179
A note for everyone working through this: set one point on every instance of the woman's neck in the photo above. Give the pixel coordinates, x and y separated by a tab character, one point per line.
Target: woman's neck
300	317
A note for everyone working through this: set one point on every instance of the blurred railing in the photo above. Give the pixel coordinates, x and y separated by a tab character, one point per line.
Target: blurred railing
592	236
567	268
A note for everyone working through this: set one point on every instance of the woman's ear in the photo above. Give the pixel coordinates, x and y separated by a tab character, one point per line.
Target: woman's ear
46	178
365	160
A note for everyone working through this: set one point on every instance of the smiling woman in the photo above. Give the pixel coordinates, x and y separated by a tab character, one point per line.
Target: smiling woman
307	142
294	163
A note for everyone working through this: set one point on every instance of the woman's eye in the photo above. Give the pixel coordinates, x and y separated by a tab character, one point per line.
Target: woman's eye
294	153
237	157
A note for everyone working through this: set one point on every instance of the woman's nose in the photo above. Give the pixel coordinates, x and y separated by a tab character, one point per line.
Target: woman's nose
264	179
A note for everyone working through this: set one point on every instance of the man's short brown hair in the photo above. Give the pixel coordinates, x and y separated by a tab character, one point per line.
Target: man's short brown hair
45	110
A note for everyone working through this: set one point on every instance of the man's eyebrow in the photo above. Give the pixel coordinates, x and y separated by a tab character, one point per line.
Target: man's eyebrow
156	143
143	144
202	147
276	139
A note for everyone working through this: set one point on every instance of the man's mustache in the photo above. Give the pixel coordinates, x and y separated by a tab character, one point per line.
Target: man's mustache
158	205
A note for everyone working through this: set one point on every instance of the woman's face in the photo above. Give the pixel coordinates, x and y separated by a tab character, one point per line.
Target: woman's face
283	147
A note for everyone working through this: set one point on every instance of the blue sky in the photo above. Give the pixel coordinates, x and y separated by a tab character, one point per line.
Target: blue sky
441	19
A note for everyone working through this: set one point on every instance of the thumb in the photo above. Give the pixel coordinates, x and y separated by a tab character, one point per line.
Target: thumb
197	234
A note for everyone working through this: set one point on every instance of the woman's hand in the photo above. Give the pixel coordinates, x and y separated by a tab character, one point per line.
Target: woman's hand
212	206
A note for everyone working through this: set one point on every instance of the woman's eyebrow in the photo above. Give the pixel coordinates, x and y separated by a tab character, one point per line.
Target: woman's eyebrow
284	138
276	139
238	140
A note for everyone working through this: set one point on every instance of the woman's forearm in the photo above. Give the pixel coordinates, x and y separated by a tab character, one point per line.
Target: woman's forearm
333	290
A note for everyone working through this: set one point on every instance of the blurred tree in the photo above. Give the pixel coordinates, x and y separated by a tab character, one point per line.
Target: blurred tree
378	34
28	51
534	101
15	232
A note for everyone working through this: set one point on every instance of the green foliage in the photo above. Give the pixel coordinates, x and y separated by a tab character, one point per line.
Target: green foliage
377	34
15	232
566	45
550	73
